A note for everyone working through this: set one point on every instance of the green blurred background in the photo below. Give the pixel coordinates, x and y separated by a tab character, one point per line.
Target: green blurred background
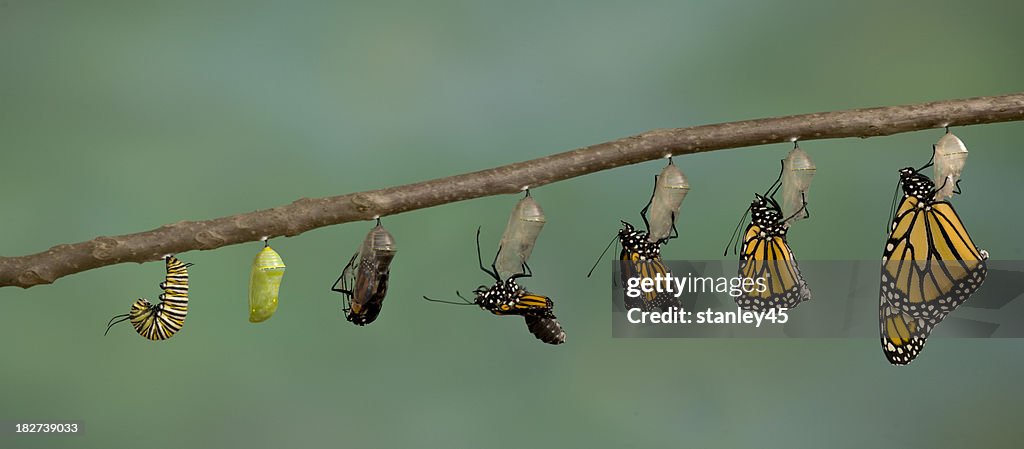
118	117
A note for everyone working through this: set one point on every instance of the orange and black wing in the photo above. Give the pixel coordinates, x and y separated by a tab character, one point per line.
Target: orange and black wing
769	258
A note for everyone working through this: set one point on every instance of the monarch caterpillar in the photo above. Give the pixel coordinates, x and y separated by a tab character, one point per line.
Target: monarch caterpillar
524	225
930	266
670	189
506	297
766	254
950	157
265	283
364	280
798	171
162	320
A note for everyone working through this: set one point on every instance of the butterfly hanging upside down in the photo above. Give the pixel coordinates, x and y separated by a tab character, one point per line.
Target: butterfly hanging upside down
930	266
766	255
506	297
641	258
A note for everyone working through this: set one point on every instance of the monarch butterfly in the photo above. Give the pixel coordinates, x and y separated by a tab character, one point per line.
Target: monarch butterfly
521	232
162	320
641	258
930	266
364	280
798	171
506	297
670	189
265	283
950	157
766	254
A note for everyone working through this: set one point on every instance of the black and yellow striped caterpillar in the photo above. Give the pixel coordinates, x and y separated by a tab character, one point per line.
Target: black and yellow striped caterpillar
162	320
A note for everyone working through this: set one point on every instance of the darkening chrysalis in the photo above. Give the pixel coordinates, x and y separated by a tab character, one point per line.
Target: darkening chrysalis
364	280
950	158
670	189
264	284
797	172
524	225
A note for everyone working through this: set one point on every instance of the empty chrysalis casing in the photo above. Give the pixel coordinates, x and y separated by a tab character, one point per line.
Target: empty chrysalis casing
950	158
264	284
524	225
797	172
670	189
364	280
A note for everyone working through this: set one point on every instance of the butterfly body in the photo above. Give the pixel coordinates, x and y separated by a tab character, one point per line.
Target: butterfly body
643	260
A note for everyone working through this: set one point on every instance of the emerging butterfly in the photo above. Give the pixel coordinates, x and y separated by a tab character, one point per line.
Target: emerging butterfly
640	257
364	280
506	297
929	267
766	255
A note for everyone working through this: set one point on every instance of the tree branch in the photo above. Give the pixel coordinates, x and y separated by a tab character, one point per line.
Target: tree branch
306	213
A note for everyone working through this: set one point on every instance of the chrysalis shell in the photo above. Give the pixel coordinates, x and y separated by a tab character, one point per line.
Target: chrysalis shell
524	225
364	280
950	158
797	172
264	283
670	189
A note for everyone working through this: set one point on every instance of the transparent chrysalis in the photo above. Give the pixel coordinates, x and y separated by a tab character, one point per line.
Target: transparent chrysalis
950	158
797	172
364	280
670	189
524	225
264	283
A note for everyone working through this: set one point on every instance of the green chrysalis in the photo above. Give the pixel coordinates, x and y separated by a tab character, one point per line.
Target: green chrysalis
264	283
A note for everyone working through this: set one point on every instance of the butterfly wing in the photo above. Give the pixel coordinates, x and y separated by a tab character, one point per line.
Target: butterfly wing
637	267
769	258
930	265
902	335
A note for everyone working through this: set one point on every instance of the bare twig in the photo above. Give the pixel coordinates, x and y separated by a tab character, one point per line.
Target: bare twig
305	214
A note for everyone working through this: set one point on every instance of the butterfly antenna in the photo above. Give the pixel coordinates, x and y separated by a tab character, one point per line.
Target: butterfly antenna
602	256
892	208
456	303
735	233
